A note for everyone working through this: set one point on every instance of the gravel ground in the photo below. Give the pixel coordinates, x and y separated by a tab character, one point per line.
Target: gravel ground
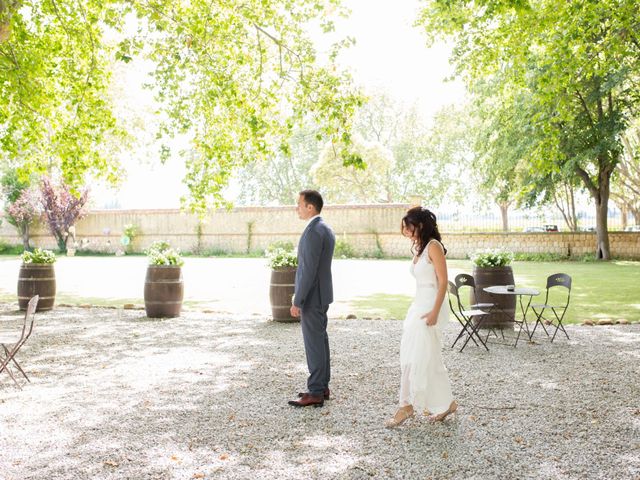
115	395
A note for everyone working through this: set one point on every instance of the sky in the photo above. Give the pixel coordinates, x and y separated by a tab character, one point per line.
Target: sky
389	55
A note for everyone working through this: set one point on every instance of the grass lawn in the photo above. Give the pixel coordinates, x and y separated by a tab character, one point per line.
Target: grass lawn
599	290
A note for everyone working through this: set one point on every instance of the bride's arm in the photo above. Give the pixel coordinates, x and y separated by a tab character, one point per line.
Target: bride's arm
436	255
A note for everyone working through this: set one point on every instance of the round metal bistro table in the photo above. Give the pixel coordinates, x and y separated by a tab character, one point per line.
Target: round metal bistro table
519	292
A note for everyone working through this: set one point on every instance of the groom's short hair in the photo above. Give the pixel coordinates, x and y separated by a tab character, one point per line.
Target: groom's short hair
314	198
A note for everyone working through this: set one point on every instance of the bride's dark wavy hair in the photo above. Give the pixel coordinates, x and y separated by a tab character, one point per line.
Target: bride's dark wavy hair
424	223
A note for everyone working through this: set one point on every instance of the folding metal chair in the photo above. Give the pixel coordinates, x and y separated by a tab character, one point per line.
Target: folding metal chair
466	280
11	344
556	301
465	317
463	280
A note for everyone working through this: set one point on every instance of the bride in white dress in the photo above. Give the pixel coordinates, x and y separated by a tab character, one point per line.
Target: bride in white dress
424	384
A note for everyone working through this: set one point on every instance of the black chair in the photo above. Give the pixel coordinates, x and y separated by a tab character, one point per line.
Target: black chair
11	344
464	280
466	319
557	301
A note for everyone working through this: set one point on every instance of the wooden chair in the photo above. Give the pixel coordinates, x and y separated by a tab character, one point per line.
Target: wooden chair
11	344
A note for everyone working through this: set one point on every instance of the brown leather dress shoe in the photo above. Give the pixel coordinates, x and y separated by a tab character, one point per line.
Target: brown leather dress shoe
327	394
307	401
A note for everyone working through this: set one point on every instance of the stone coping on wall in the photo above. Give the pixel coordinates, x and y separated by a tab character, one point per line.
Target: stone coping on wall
164	211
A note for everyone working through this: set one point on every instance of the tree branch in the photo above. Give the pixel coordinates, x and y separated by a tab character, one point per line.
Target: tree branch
92	66
585	107
281	45
586	179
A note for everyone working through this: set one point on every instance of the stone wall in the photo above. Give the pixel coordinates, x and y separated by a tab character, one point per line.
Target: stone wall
623	244
366	228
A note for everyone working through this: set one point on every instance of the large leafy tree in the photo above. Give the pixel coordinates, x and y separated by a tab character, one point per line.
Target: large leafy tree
278	179
404	156
577	61
625	190
54	77
236	77
505	140
399	128
401	152
351	184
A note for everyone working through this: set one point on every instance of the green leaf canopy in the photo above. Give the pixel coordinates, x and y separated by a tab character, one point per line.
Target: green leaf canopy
234	77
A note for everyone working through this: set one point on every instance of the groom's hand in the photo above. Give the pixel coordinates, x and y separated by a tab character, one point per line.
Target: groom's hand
295	311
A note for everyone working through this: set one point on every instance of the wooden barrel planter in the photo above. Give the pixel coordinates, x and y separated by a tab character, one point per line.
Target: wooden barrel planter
37	279
163	291
280	293
487	277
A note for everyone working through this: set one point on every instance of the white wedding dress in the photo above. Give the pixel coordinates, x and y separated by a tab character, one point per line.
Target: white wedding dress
424	382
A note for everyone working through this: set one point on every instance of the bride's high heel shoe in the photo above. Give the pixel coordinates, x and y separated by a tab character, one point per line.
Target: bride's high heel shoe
401	416
441	416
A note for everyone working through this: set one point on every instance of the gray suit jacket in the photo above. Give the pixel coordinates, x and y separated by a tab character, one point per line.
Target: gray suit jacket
314	286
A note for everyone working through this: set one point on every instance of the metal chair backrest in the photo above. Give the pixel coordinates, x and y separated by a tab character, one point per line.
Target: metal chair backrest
27	325
466	280
30	314
558	280
453	291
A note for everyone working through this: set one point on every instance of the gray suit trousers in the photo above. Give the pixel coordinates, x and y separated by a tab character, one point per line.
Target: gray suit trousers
316	345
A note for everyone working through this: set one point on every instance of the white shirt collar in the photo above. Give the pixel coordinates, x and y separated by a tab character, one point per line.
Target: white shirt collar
312	219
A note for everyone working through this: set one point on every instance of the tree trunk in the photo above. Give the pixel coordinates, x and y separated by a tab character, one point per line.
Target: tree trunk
574	215
600	194
25	237
623	216
504	212
603	251
602	234
62	243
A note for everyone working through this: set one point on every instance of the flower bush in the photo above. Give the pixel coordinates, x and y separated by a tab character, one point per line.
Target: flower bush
161	253
282	258
38	256
62	209
23	212
492	258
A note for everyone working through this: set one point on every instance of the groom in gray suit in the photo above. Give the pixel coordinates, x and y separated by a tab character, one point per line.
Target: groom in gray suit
313	294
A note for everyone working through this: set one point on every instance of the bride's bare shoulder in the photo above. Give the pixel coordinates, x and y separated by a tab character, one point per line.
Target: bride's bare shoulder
434	247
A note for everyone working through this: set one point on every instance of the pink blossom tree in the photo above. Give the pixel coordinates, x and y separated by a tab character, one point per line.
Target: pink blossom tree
61	208
22	212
